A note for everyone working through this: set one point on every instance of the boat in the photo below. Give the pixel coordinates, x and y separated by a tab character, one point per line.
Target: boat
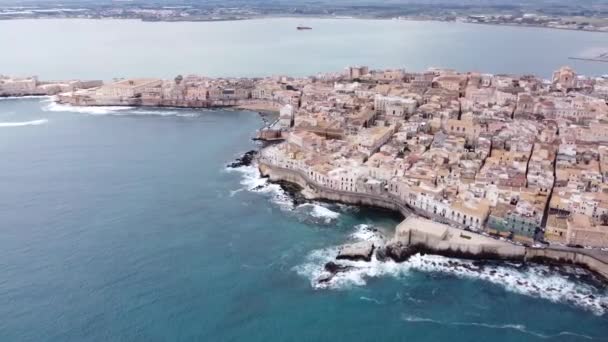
304	28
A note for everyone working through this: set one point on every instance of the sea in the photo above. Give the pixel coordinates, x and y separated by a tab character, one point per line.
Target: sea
125	224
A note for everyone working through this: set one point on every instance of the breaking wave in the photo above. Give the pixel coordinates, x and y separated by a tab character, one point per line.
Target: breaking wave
92	110
254	182
313	212
366	232
518	327
114	110
24	123
160	112
24	97
558	285
562	284
359	271
318	211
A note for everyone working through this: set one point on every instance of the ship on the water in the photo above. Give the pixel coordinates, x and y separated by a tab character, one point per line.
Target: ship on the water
304	28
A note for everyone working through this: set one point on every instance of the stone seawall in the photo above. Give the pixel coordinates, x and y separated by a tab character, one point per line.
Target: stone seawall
316	191
245	104
550	255
421	235
434	238
458	245
504	251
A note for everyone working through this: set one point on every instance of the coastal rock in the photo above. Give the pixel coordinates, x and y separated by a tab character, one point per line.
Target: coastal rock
332	269
360	251
244	160
398	252
294	191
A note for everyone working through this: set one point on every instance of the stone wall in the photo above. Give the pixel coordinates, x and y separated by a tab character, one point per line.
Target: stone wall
569	257
316	191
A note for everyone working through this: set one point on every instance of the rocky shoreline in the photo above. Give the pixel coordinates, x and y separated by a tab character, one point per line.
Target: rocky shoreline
400	252
245	160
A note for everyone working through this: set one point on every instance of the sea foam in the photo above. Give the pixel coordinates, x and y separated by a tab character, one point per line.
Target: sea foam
25	97
24	123
314	212
319	211
115	110
518	327
254	182
559	285
92	110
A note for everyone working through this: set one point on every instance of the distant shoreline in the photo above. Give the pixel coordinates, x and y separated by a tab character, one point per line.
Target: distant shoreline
266	17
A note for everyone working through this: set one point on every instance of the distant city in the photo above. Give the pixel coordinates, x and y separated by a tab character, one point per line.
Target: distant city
559	14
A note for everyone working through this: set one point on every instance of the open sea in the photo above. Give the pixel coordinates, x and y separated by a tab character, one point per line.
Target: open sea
124	224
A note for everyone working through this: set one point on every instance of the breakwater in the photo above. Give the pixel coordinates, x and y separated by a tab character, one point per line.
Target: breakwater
411	237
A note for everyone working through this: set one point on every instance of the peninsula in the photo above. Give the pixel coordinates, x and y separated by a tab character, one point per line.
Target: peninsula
514	157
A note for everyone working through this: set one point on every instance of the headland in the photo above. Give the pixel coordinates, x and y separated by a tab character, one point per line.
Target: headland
516	157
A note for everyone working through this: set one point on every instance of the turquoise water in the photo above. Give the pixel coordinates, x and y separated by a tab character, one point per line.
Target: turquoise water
124	225
59	49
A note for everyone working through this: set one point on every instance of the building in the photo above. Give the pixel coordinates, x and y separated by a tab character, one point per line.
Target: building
564	78
286	116
128	88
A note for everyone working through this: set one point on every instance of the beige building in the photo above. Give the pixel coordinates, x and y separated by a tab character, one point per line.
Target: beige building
582	231
463	128
564	78
128	88
18	86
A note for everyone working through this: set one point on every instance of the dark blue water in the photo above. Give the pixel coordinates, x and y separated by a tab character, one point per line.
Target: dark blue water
126	226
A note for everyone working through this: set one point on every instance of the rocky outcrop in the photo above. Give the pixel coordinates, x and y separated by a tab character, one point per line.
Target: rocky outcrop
294	191
360	251
333	268
396	251
245	160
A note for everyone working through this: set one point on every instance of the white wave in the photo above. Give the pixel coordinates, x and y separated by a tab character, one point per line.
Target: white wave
92	110
368	299
253	181
25	97
24	123
115	110
416	319
153	112
366	232
533	280
160	112
234	192
314	267
518	327
187	115
360	271
321	212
